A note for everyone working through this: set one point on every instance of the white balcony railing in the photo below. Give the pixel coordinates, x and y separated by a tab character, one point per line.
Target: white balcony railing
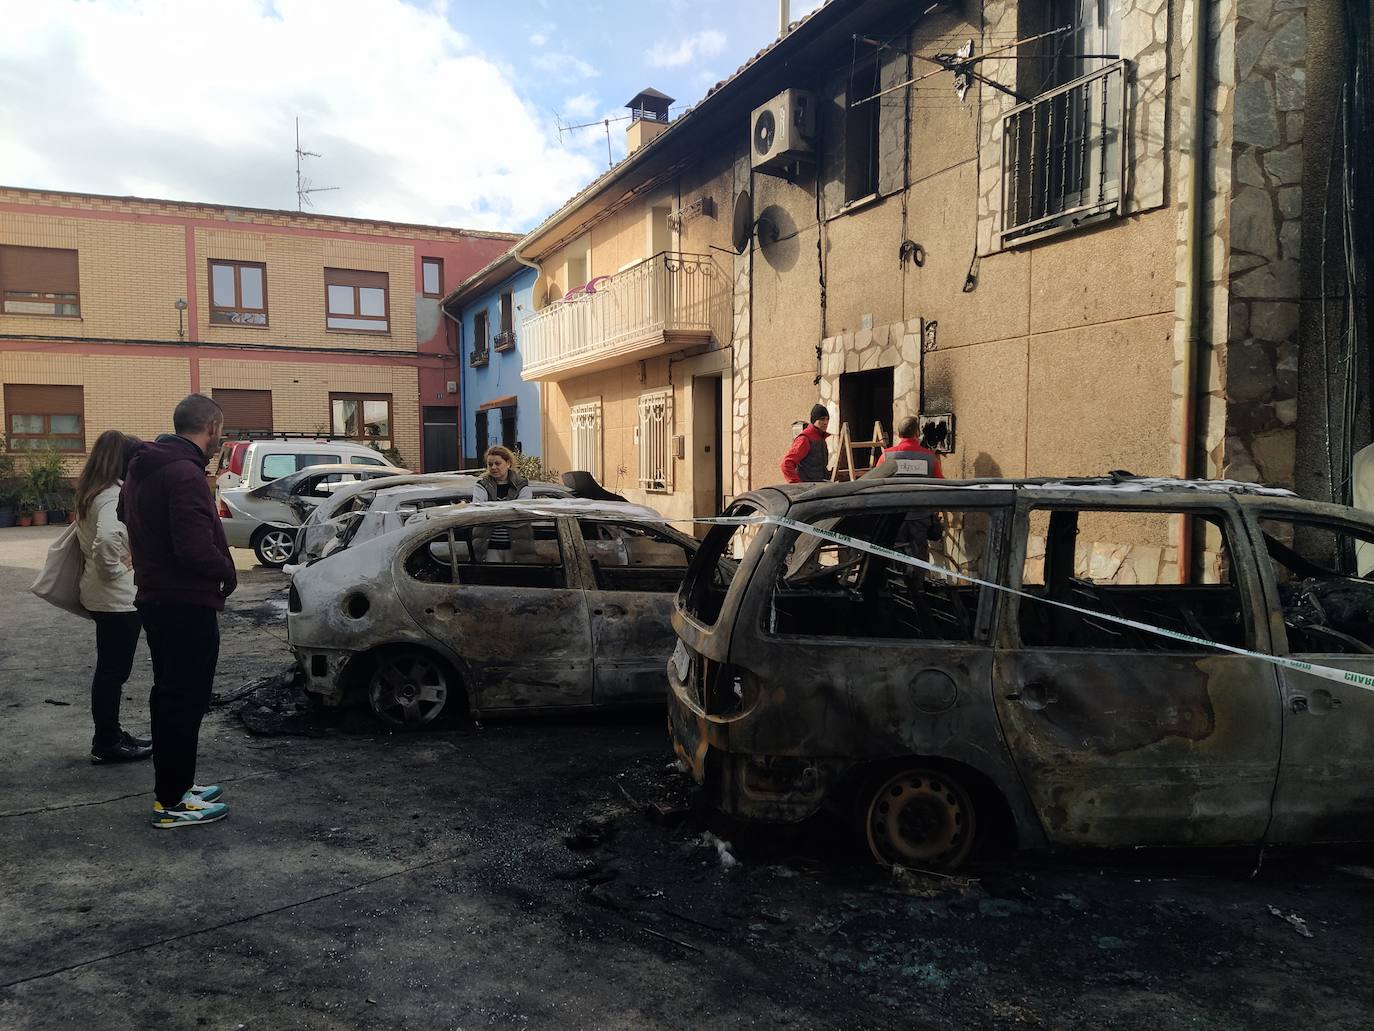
663	302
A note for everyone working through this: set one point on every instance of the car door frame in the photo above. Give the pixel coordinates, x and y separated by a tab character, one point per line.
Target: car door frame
470	614
1318	798
619	684
1072	765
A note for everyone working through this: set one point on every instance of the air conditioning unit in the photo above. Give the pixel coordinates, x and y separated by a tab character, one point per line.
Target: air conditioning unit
783	130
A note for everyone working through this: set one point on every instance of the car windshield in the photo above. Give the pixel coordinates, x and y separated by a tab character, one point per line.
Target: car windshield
717	560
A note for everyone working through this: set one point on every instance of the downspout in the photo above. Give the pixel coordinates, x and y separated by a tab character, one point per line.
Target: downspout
1193	241
544	434
462	394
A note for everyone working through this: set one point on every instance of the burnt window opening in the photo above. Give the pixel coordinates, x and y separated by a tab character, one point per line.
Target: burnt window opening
1327	607
861	134
632	557
825	589
1124	563
519	553
717	561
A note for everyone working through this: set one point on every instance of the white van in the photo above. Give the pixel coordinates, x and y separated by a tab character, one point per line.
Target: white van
251	463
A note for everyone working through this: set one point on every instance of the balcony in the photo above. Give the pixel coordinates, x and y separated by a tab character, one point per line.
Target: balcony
662	304
505	341
479	358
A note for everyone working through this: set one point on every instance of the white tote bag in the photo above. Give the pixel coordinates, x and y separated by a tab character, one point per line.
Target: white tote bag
59	582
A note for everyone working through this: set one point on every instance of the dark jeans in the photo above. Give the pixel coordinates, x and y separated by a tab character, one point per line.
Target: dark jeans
116	640
184	640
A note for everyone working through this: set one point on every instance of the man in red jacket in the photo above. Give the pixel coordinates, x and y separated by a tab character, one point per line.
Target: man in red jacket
183	573
808	459
910	450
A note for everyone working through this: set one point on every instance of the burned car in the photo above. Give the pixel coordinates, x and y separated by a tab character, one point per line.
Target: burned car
933	710
493	608
373	509
266	518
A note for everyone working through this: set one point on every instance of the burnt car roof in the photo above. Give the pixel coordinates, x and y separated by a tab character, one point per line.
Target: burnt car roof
283	486
550	507
780	497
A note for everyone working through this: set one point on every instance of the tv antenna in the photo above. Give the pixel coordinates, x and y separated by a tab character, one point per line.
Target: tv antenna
962	63
304	188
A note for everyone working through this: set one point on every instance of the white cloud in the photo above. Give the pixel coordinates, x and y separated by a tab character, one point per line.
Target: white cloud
538	39
564	66
581	106
196	101
667	54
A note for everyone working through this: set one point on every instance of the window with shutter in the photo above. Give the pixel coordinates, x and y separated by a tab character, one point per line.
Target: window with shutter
356	301
245	411
38	416
39	281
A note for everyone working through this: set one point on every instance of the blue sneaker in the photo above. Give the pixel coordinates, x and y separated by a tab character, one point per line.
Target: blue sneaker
188	813
203	793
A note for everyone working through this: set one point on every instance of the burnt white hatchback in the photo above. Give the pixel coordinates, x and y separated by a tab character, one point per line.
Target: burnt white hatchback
538	606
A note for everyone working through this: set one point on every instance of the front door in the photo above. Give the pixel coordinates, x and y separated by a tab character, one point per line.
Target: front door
500	596
1123	737
636	572
1327	612
441	439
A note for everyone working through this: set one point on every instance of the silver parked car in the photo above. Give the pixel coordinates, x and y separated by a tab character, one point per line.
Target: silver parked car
266	518
493	608
380	506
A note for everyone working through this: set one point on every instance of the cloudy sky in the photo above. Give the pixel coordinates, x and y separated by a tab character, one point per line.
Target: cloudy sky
437	111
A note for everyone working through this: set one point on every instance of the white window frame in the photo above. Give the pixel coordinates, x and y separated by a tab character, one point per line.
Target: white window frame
585	440
655	438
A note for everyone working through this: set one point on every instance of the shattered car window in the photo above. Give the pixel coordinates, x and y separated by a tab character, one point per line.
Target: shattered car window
826	589
514	554
717	560
1327	607
633	557
1125	563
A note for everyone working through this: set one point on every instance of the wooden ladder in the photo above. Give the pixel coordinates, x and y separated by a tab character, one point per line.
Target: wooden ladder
847	466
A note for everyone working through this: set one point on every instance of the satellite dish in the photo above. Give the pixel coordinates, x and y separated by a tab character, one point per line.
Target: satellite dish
743	225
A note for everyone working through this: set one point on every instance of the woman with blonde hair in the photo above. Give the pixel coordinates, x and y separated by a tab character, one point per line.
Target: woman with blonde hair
107	592
501	482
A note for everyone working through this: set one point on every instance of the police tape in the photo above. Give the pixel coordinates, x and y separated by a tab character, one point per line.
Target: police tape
1342	676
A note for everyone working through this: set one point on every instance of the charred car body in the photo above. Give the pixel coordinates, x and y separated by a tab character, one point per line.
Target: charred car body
493	608
931	709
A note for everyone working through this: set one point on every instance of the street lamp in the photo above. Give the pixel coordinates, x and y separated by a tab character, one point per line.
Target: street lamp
181	307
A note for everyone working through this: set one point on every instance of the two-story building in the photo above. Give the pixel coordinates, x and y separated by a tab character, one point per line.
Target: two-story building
1073	233
499	405
113	308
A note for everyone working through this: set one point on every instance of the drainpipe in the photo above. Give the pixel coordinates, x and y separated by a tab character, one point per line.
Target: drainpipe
1194	242
543	421
462	394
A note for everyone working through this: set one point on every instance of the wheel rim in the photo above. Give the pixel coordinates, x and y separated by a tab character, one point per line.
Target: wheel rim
920	818
408	690
276	545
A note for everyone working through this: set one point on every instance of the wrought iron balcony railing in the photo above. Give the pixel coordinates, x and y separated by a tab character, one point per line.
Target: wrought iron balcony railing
660	304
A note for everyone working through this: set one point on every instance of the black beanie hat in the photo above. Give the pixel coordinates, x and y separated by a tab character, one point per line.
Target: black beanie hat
819	412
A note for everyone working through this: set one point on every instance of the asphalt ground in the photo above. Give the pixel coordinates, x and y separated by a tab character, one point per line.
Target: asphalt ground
548	875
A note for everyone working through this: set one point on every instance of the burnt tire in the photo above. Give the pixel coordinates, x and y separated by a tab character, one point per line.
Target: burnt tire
274	545
409	689
919	817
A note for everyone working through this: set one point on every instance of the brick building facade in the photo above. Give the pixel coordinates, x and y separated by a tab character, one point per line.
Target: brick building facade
113	308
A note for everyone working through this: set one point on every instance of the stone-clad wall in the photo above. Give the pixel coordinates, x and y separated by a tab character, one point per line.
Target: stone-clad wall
1261	361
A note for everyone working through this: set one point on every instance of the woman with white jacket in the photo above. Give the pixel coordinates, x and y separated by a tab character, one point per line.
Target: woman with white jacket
107	593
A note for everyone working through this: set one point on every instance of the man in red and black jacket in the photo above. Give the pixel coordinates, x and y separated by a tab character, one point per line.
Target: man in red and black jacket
183	573
911	449
808	459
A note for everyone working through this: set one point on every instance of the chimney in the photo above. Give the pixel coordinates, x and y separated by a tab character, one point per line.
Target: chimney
784	17
648	117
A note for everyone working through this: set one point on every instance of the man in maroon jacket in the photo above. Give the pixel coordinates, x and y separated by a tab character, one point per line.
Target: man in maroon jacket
183	573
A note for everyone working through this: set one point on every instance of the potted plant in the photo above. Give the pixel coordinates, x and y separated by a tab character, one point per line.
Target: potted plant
9	486
46	486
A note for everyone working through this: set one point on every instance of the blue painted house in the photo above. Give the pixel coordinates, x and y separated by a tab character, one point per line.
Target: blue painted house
497	405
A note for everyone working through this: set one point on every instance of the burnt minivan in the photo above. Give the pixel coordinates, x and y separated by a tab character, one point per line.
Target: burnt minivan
936	711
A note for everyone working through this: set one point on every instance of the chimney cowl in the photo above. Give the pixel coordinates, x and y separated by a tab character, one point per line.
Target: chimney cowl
651	104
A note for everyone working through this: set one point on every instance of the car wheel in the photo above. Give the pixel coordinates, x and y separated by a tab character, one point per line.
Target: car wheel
919	817
274	546
408	689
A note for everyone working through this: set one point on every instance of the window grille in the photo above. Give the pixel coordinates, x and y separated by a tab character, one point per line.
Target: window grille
655	441
586	437
1063	155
